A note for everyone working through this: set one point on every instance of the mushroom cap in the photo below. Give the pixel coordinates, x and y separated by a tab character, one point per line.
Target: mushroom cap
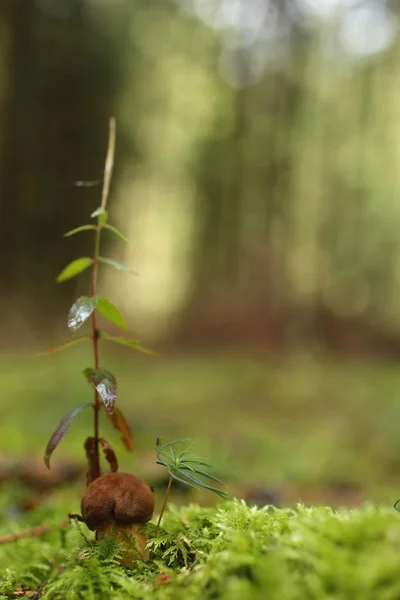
117	497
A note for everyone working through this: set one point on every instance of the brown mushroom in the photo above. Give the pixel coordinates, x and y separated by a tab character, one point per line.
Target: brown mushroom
123	502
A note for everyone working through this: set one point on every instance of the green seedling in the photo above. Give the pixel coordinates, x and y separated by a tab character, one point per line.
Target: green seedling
87	308
185	468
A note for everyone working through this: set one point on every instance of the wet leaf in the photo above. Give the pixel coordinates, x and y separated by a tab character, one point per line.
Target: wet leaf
61	430
129	343
113	263
74	268
81	310
79	229
109	454
110	312
119	421
105	384
53	349
116	231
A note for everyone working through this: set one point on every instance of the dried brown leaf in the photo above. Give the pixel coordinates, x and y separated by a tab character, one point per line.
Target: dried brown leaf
109	454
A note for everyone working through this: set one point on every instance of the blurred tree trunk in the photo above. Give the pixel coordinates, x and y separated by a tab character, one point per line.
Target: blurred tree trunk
63	80
219	209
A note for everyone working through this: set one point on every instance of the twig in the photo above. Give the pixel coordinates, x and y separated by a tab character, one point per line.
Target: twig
39	592
39	530
36	594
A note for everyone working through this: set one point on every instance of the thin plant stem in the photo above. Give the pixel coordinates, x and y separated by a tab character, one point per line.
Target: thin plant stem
157	529
163	506
109	163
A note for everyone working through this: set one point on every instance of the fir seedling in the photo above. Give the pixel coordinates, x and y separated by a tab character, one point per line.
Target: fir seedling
185	468
83	309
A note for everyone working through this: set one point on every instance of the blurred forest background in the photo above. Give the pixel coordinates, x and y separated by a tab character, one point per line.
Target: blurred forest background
258	178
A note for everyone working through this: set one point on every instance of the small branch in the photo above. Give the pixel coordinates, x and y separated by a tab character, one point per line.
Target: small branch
40	530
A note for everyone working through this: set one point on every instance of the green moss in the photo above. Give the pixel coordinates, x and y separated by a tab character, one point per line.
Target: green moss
230	552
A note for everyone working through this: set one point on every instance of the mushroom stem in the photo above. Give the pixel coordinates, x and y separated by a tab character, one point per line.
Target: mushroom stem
132	537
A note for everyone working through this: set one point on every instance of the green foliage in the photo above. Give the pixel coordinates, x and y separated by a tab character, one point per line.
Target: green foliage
231	552
84	308
185	467
30	561
74	268
110	312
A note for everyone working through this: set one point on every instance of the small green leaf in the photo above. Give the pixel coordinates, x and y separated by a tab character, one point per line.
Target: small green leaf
53	349
102	214
116	231
74	268
105	384
79	229
181	480
113	263
129	343
194	482
110	312
81	310
61	430
202	473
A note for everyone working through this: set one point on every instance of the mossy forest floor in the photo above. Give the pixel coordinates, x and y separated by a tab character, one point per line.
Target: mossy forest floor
315	431
231	551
